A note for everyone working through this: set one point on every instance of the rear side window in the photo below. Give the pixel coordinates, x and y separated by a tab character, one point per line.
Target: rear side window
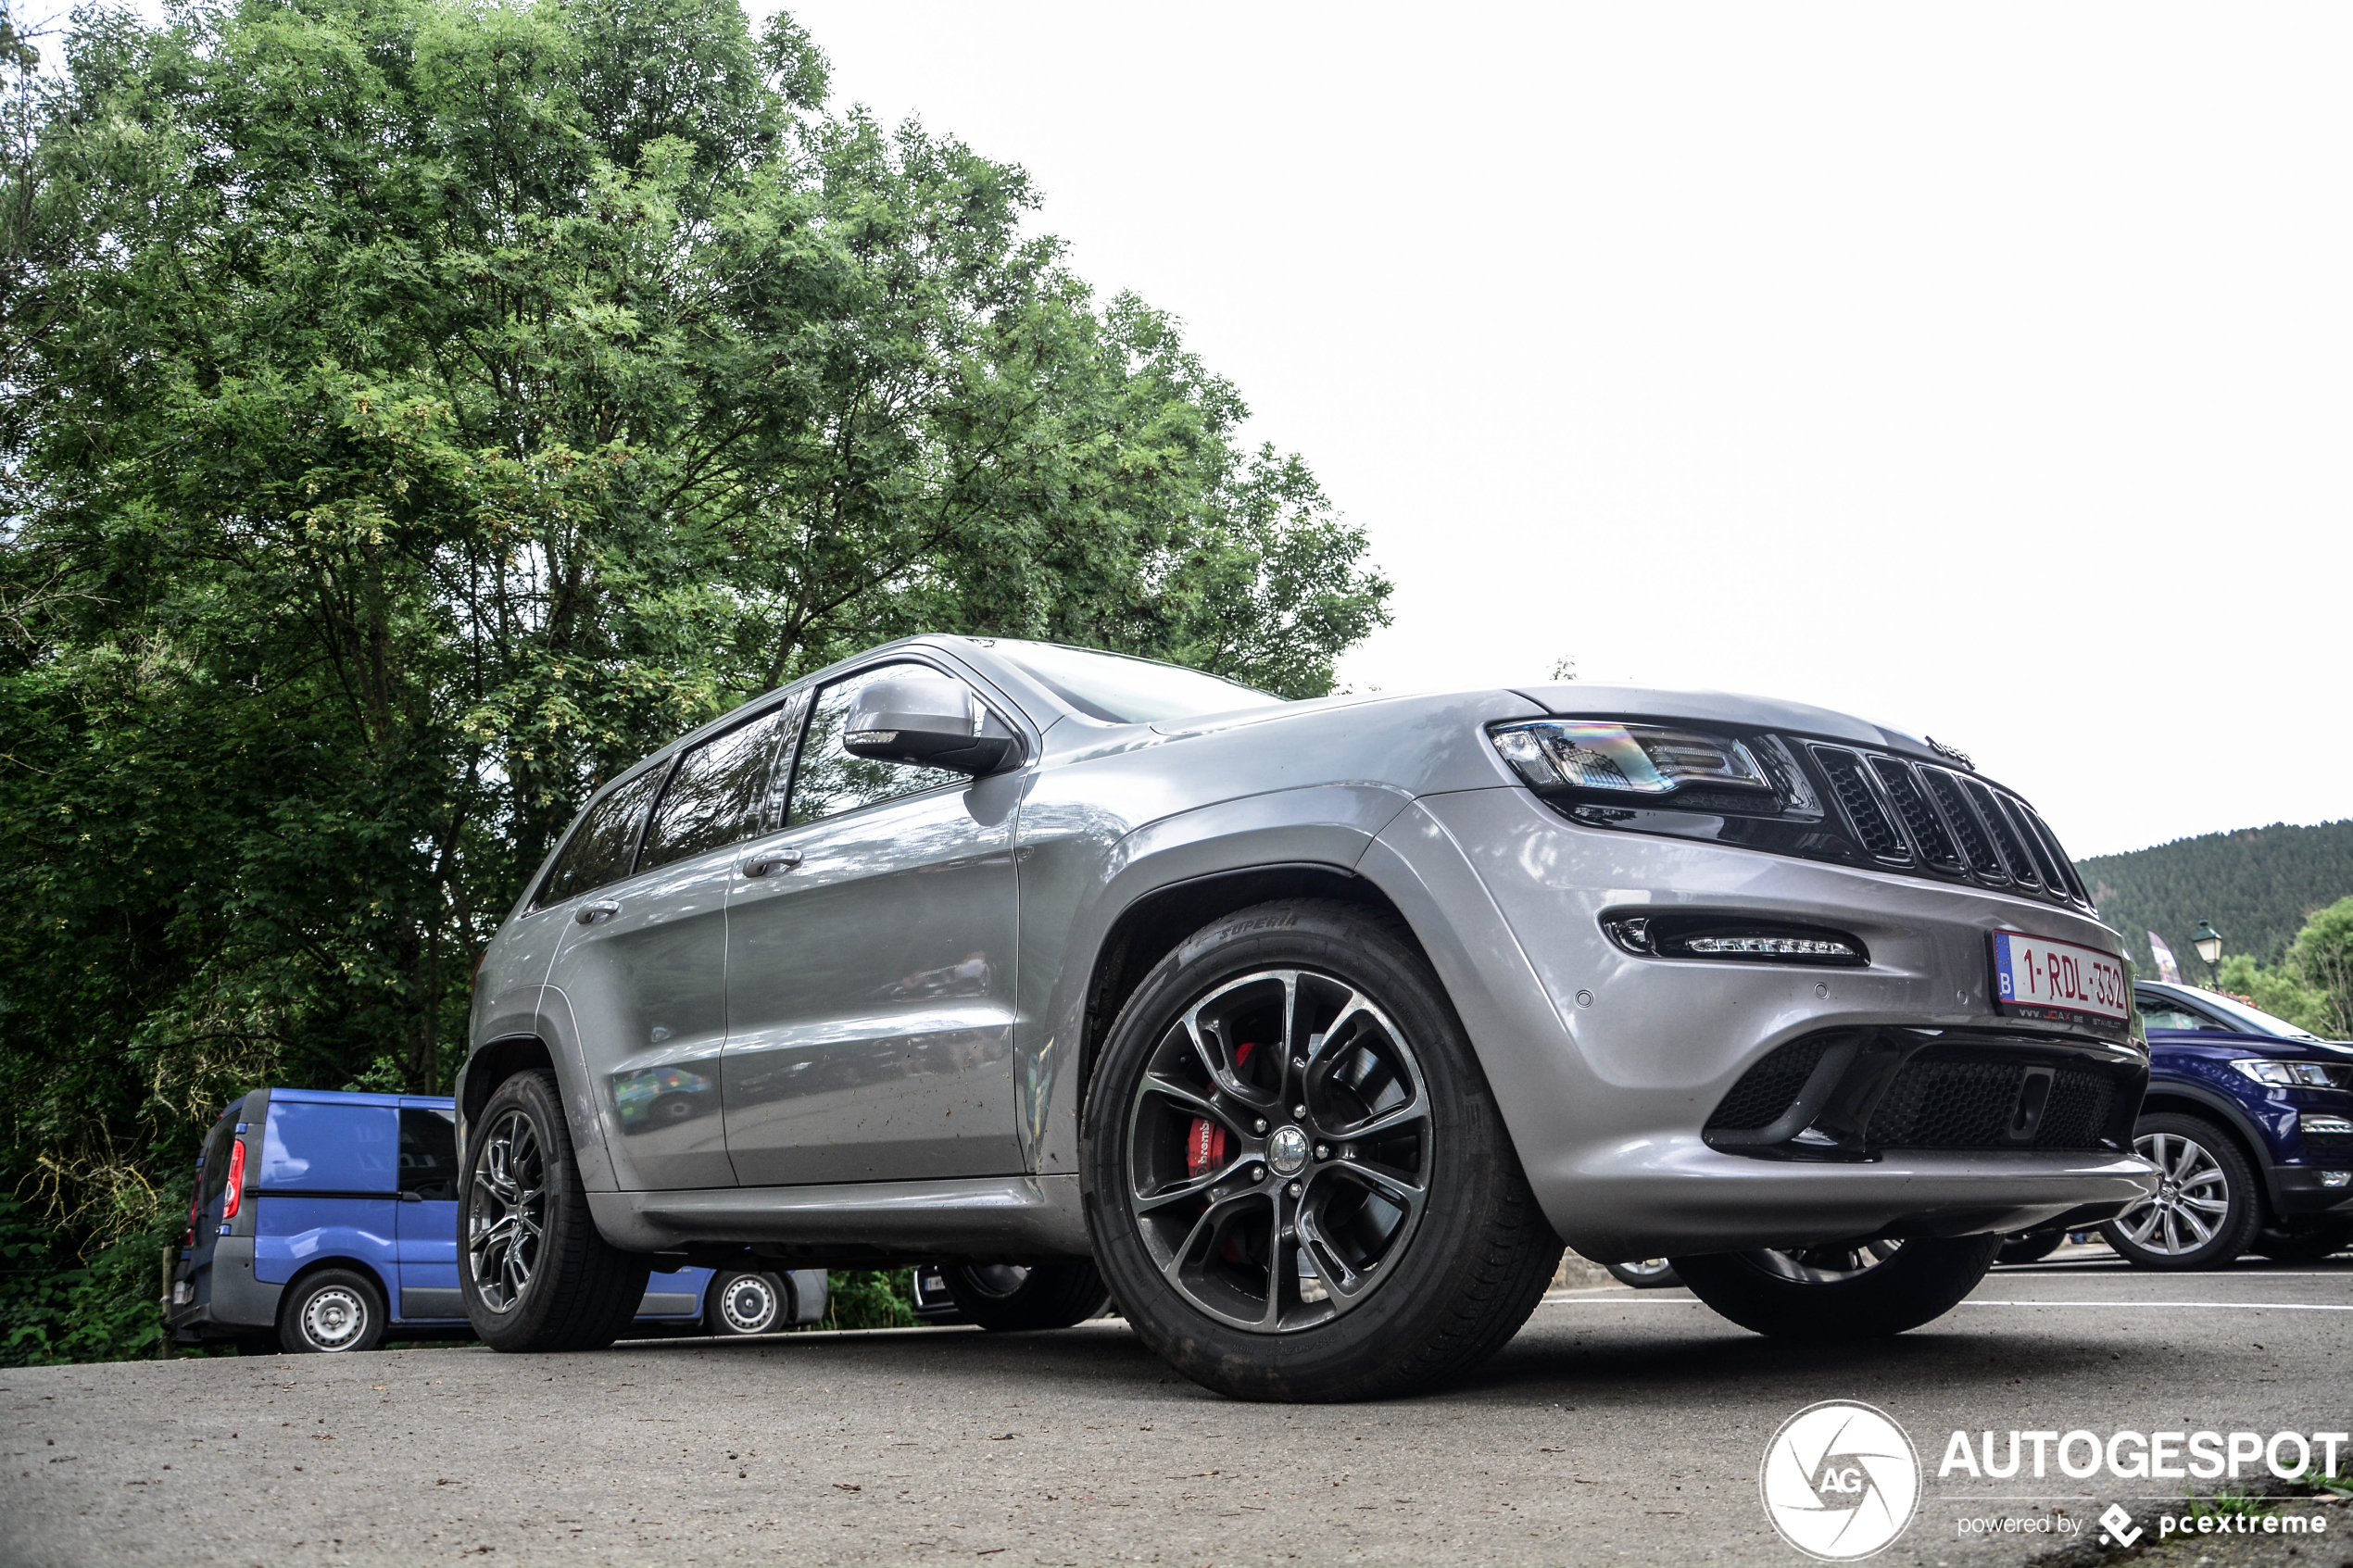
717	793
603	844
2170	1015
429	1155
829	781
330	1149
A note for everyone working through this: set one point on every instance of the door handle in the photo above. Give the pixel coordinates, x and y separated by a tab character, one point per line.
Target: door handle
772	861
603	908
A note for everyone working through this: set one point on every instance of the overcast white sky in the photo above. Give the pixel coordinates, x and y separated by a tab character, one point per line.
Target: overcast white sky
1983	369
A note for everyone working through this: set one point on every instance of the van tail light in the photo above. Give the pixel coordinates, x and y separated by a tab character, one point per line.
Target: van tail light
236	1180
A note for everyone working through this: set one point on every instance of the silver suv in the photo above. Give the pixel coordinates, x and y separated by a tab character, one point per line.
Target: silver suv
1309	1031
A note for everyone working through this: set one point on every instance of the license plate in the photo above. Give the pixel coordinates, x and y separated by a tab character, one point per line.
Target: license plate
2060	983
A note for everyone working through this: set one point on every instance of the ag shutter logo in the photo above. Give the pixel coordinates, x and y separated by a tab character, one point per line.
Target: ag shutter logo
1839	1480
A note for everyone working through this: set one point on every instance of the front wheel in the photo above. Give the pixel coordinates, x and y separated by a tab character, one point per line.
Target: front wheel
1648	1273
1296	1180
535	1273
1864	1290
2205	1211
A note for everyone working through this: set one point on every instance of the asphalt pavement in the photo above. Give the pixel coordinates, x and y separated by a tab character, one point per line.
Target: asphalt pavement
1619	1427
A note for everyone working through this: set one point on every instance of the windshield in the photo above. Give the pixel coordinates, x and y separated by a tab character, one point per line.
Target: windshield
1121	690
2251	1020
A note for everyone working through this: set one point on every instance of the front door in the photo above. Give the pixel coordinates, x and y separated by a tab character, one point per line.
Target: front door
869	972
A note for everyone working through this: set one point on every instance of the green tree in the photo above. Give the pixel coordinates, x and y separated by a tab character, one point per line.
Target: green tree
415	411
2322	958
2279	992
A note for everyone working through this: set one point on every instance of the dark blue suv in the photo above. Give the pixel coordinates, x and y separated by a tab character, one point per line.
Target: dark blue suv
321	1220
2251	1121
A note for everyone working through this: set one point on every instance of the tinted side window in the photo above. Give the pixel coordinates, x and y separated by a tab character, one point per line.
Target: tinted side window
715	796
429	1155
601	846
829	781
2171	1015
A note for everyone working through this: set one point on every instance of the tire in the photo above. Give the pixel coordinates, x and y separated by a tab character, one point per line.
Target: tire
2326	1240
740	1301
1831	1293
1394	1295
559	1285
1008	1299
331	1311
2029	1246
2209	1208
1649	1274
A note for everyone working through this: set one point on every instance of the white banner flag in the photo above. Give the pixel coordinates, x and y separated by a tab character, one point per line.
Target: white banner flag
2167	970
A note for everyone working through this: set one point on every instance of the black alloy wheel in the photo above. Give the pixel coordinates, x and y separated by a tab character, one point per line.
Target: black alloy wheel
331	1311
2205	1209
2029	1247
535	1273
1296	1180
1646	1273
1856	1290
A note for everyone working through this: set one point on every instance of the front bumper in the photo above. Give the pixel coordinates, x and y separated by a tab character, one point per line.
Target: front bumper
1608	1065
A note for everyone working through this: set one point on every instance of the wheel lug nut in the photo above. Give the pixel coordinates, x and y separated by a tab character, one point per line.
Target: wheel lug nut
1258	1173
1322	1151
1298	1113
1299	1062
1292	1189
1260	1123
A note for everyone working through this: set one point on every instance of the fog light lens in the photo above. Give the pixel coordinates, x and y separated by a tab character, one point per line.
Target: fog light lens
2327	1124
2336	1178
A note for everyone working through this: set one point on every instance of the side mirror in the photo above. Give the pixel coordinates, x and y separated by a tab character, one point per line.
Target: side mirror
929	722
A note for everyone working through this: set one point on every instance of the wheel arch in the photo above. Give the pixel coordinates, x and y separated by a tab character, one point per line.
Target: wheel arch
348	1264
492	1065
1157	921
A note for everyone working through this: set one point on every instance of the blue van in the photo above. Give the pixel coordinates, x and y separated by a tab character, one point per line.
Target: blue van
323	1222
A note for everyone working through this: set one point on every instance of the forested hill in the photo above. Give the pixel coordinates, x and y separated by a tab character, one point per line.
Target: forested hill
2256	885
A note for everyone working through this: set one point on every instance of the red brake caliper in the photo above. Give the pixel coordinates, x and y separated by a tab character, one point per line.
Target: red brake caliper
1205	1142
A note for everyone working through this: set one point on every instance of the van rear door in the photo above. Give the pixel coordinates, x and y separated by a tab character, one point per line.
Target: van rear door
329	1182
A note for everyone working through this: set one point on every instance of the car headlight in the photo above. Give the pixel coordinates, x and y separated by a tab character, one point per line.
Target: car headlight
1626	759
2295	1074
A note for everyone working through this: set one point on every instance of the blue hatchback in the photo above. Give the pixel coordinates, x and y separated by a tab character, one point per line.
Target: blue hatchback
2251	1121
322	1221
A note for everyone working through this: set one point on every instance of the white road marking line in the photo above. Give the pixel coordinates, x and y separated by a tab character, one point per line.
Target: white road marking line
2201	1305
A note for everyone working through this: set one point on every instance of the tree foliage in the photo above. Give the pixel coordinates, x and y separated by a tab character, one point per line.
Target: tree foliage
415	411
2259	887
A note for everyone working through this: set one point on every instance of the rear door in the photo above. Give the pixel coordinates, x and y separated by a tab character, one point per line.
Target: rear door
640	981
426	1224
329	1184
870	969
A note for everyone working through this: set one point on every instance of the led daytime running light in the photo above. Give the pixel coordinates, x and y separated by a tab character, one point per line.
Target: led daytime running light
1774	947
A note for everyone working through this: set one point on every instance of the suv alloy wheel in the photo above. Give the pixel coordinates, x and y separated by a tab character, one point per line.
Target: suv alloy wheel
2205	1209
1297	1182
535	1273
1863	1290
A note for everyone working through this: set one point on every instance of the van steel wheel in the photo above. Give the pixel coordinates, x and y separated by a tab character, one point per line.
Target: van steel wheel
332	1310
1296	1180
535	1273
746	1303
1855	1290
2205	1209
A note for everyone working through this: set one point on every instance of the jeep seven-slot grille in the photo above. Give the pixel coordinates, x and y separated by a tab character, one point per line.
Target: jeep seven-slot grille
1919	817
1871	825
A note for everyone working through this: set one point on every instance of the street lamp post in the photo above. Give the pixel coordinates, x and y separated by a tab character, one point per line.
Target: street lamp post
2209	943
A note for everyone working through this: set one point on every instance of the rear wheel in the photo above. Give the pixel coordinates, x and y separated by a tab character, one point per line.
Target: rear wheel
1863	1290
1649	1273
1009	1297
744	1302
2029	1247
2307	1246
1296	1180
332	1310
2205	1209
535	1274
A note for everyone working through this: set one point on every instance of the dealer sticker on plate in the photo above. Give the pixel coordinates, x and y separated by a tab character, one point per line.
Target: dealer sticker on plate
2060	983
